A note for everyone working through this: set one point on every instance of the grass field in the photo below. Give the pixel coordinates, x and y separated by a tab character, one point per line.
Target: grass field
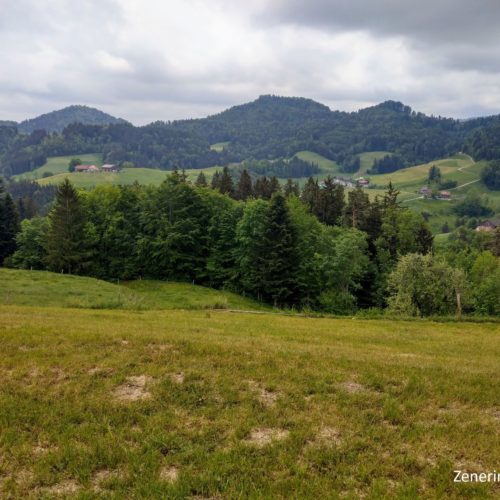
368	158
194	404
125	176
219	146
59	165
213	404
30	288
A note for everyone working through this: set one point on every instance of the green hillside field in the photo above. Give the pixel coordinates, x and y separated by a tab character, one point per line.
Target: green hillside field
216	404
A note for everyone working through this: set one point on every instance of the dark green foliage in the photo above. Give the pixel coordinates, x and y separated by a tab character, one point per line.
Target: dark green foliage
201	180
269	128
473	206
56	121
351	164
490	175
67	245
9	224
434	176
387	164
244	189
330	203
294	168
225	184
73	163
291	188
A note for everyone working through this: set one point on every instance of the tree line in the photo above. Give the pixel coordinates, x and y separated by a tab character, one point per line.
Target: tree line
319	249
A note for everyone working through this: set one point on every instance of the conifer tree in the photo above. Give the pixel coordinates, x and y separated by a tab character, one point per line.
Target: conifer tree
280	260
244	190
215	180
291	188
9	224
310	195
66	249
201	180
226	185
331	202
262	188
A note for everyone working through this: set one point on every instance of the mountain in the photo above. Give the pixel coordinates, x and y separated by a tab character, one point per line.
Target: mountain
56	121
271	127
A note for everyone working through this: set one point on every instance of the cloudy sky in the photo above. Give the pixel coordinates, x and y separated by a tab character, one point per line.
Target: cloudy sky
145	60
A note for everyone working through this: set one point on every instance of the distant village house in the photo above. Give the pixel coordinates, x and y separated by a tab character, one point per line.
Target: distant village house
110	168
488	225
86	168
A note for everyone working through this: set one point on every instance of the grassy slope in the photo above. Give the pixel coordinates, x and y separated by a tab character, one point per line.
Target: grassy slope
59	165
368	158
378	408
219	146
43	288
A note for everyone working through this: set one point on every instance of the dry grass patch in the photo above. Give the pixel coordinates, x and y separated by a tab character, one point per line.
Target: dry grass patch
264	436
266	397
352	387
68	487
134	389
178	378
102	477
169	473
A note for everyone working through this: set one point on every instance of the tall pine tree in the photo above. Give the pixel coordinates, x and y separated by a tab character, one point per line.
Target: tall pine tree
244	190
67	246
9	224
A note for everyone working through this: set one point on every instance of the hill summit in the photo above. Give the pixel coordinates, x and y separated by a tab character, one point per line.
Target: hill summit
56	121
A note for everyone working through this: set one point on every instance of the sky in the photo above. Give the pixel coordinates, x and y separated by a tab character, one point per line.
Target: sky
147	60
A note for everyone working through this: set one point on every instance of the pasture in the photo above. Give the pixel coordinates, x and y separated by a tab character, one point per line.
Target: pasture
207	403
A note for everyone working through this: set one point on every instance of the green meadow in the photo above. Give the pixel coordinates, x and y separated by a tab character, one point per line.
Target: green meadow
177	400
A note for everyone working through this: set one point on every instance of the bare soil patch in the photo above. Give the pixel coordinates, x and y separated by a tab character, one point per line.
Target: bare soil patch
65	488
266	397
134	389
352	387
264	436
169	473
178	378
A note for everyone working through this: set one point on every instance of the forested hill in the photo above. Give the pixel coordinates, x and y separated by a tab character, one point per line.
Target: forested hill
57	121
270	127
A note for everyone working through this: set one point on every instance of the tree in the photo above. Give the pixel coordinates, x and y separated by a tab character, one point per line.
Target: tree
67	247
201	180
291	188
420	285
357	211
226	182
280	260
473	206
32	244
215	183
485	279
310	195
434	176
244	189
73	163
9	224
490	175
331	202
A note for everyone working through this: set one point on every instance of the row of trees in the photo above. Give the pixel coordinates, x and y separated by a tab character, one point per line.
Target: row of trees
320	250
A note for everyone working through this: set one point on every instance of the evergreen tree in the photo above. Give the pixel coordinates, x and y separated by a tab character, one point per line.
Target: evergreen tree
226	185
357	210
201	180
262	188
215	183
280	259
291	188
274	186
331	202
9	224
310	195
66	249
244	190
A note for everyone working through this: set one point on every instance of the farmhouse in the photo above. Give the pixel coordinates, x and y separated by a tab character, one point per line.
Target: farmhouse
488	225
110	168
444	195
426	191
361	181
86	168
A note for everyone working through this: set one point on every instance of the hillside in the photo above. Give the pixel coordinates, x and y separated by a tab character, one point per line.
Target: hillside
212	404
56	121
271	127
42	288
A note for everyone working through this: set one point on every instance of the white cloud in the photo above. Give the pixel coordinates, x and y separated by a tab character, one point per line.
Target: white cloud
146	60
